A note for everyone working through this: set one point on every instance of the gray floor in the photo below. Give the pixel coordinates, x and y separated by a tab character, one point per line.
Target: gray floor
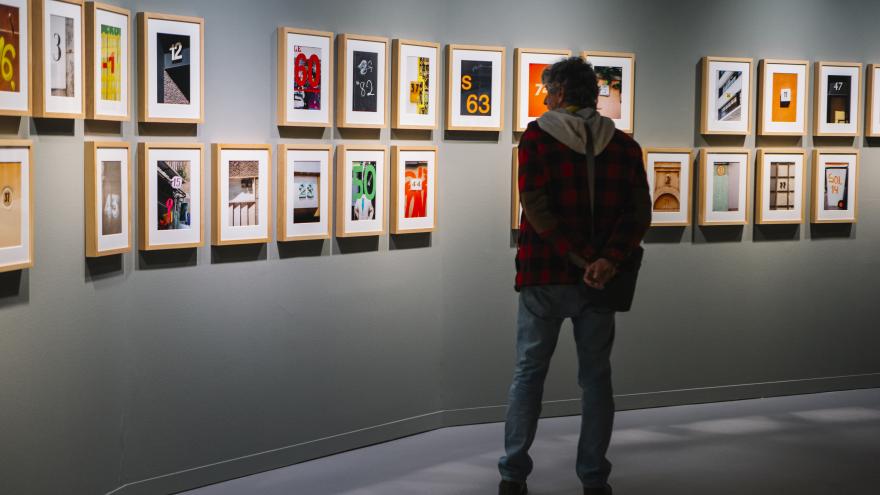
805	445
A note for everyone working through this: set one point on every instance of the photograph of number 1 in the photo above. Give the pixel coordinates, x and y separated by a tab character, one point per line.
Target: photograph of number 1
173	195
111	47
363	190
10	79
173	68
62	57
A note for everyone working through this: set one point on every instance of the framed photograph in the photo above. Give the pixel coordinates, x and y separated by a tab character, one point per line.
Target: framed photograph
360	190
783	95
305	77
836	110
171	54
413	189
60	58
781	187
170	196
363	83
305	197
528	87
873	114
107	198
835	186
16	205
108	64
669	180
616	74
724	191
727	96
475	88
515	206
242	193
414	72
15	57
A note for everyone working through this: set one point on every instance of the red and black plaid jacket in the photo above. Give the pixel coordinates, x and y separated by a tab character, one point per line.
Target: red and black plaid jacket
544	162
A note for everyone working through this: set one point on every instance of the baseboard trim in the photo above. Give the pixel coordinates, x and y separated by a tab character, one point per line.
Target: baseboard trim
293	454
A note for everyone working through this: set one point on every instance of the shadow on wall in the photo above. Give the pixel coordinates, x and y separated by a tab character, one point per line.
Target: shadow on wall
788	232
103	267
14	288
169	258
53	127
303	249
236	254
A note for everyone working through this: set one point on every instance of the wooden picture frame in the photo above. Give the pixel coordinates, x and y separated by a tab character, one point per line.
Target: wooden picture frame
186	85
872	114
108	198
782	91
16	93
51	102
415	89
822	96
311	111
149	197
622	113
16	204
848	158
407	202
676	188
246	170
716	215
482	111
730	114
355	106
354	217
288	195
528	88
781	188
108	62
515	206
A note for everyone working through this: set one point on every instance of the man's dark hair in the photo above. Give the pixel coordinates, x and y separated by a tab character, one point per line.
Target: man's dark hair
576	77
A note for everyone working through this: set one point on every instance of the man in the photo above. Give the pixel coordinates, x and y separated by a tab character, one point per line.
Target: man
569	247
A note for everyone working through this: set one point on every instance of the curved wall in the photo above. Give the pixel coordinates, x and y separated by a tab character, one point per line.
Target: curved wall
153	373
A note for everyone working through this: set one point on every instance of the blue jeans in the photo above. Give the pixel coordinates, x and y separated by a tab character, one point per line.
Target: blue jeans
541	312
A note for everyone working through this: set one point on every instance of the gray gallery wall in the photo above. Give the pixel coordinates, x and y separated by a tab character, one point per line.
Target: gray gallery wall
160	372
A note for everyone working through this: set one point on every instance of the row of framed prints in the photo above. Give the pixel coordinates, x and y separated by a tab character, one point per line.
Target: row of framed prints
475	83
171	192
77	62
723	192
783	88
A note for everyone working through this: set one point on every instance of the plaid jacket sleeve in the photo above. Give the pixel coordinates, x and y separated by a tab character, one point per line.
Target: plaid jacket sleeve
634	215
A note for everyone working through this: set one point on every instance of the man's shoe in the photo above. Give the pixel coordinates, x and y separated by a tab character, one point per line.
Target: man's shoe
512	488
605	490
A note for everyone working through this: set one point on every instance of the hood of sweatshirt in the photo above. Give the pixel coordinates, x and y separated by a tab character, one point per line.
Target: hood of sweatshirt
570	128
